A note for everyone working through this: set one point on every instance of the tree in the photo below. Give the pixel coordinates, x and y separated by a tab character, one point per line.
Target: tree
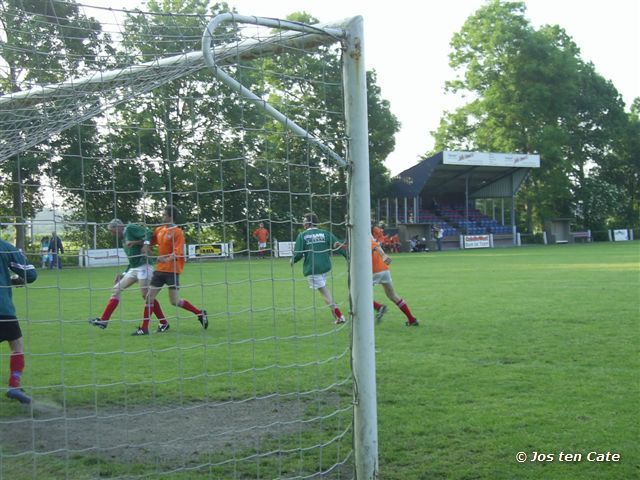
194	142
383	126
178	138
45	42
533	94
622	169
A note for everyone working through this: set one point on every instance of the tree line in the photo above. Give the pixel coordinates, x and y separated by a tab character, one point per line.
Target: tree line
531	93
191	142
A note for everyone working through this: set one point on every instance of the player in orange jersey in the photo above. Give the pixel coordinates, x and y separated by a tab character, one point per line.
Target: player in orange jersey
378	233
382	275
261	234
169	265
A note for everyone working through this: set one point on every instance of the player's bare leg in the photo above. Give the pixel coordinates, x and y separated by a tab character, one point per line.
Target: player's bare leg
122	283
401	304
328	298
150	300
174	298
157	310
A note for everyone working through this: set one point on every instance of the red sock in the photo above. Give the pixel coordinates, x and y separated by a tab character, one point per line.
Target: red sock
111	306
145	316
16	366
376	305
158	312
187	306
402	305
337	312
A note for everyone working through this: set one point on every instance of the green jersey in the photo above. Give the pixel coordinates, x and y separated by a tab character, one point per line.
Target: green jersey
316	247
134	232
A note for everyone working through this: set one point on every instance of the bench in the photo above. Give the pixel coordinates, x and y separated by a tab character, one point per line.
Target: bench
585	236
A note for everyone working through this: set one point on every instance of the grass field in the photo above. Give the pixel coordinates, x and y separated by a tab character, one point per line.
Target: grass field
531	350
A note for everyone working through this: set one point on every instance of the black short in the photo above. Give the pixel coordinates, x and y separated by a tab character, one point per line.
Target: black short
9	329
170	279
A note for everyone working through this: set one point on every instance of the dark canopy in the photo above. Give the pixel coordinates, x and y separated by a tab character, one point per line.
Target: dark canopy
476	174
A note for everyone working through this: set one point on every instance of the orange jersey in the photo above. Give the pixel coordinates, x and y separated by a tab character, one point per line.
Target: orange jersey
261	234
169	240
377	261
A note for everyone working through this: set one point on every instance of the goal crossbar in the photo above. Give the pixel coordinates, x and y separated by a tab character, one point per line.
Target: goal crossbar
30	117
210	60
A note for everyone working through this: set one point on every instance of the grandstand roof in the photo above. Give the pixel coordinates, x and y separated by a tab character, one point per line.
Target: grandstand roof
481	174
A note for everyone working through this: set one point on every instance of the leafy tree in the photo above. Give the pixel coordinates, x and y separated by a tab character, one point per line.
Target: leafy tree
383	126
192	142
44	42
532	93
622	169
197	144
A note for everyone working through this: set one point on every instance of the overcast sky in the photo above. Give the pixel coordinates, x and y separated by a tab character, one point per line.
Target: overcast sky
408	46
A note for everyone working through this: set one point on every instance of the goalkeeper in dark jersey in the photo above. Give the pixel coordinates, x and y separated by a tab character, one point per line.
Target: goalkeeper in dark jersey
316	246
135	242
14	272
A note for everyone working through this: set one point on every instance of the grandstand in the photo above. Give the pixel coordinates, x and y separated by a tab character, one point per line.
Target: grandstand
442	190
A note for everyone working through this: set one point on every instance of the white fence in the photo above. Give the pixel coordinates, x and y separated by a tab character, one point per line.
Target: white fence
102	257
110	257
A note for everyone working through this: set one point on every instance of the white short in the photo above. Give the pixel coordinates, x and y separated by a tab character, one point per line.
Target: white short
317	281
262	246
141	274
382	277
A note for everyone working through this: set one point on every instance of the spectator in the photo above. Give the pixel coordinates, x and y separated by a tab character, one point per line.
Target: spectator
44	250
418	244
439	234
55	249
394	241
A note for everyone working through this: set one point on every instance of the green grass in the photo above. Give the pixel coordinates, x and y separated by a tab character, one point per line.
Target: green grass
532	349
527	350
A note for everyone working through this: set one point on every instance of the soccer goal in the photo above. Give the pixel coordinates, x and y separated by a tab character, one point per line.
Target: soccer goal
244	125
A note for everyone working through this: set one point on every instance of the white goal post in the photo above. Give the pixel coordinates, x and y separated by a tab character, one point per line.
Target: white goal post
361	292
30	117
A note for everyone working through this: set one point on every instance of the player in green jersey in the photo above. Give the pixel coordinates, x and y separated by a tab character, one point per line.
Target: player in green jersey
316	246
135	242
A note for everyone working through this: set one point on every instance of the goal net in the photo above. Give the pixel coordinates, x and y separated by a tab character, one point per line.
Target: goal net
239	123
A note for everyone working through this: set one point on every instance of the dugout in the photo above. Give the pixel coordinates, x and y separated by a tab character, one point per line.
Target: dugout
442	190
557	230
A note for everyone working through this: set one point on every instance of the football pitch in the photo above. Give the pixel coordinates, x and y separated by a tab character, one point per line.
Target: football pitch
525	366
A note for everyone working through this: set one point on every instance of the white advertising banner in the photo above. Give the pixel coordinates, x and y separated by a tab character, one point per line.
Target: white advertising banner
489	159
104	257
210	250
477	241
285	249
620	235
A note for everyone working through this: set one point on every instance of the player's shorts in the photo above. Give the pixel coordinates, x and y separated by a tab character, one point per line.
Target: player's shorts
262	245
142	274
317	281
170	279
9	329
382	277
